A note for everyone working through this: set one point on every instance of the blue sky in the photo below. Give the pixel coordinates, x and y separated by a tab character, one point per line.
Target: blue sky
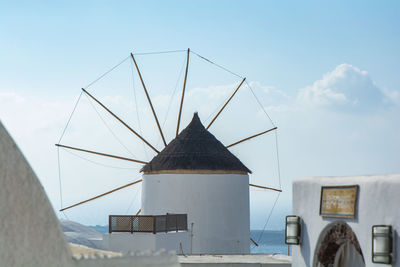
327	73
276	40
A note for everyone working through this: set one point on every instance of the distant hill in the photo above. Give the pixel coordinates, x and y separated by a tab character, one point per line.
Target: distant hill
100	228
79	234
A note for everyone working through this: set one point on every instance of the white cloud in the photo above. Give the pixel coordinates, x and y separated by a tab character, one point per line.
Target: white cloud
346	87
10	97
272	98
31	114
392	96
272	91
213	92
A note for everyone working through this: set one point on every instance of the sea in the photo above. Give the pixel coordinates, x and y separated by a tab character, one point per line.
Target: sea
269	242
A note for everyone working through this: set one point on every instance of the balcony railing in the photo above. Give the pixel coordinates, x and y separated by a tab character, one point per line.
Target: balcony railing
148	223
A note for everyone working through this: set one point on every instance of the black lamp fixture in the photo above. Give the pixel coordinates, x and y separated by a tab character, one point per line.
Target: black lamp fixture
293	230
382	244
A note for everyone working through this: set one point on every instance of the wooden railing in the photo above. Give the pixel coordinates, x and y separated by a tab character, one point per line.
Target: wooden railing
148	223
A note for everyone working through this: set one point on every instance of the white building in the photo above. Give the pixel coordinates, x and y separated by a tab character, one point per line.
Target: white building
344	238
197	177
30	233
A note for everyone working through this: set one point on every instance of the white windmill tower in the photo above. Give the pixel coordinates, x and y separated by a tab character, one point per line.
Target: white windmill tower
198	176
195	192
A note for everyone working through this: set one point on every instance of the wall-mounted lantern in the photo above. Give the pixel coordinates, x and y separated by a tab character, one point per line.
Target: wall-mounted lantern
382	244
292	230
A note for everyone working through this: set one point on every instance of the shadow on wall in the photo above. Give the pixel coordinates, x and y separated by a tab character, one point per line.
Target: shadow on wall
305	246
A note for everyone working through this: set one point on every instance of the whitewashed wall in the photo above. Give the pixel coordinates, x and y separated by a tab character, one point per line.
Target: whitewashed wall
30	234
127	242
378	203
157	259
216	204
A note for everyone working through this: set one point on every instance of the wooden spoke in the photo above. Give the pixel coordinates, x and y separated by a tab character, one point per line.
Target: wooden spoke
102	154
137	213
264	187
121	121
183	93
102	195
251	137
216	116
254	242
148	98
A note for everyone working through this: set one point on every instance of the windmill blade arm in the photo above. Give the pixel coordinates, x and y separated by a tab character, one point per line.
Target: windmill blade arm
121	121
101	154
254	242
223	107
251	137
102	195
183	93
264	187
149	100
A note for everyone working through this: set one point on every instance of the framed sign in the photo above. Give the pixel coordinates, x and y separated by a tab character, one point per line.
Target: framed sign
338	201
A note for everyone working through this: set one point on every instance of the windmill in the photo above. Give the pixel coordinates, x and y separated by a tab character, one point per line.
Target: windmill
194	176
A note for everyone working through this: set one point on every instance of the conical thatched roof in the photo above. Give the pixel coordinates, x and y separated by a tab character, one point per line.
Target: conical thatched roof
195	150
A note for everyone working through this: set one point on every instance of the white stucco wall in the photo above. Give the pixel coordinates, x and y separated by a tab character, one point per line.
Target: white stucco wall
127	242
30	234
149	259
216	204
378	203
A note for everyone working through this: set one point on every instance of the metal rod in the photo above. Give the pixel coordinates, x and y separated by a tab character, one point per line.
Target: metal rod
102	154
102	195
183	92
254	242
148	98
121	121
264	187
248	138
109	224
133	219
216	116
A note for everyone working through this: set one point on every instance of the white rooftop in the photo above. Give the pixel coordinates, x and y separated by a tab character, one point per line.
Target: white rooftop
265	259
